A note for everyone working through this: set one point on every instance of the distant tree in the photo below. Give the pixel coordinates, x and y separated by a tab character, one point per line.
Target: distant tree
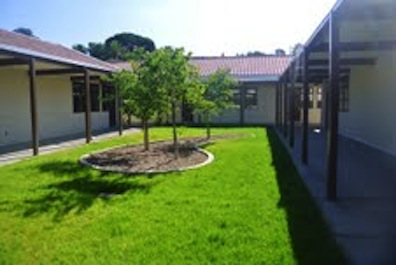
280	52
255	53
98	50
116	51
130	42
24	31
217	96
120	47
81	48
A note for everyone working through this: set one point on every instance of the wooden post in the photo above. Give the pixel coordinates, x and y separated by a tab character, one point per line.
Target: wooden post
100	96
305	128
285	109
281	105
332	132
88	118
292	101
33	106
277	106
242	105
118	104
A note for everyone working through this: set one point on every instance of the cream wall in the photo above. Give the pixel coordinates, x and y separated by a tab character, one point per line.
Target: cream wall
372	114
54	103
263	113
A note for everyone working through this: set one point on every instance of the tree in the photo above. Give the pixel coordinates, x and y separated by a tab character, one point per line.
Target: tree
255	53
217	96
116	51
24	31
180	81
121	46
280	52
141	92
80	48
98	50
130	42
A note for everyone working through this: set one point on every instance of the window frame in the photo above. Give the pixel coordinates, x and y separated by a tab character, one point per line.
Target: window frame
251	97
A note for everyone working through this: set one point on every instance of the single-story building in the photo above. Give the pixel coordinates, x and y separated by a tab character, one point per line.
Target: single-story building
254	98
43	88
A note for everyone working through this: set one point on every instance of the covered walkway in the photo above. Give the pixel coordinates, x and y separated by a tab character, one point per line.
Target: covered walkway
364	216
21	152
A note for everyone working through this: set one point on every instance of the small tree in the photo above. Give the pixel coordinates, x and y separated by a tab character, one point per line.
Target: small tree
142	92
217	96
181	81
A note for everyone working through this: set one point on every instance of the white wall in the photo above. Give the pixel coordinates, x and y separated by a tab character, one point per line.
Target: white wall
372	115
55	108
263	113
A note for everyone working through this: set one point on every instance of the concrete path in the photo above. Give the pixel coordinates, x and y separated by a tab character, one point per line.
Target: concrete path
22	152
364	217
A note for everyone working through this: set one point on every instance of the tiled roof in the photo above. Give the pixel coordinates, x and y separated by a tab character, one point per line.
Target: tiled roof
122	65
31	46
239	66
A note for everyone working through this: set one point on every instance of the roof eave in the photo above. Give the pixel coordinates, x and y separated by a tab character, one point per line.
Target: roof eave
51	58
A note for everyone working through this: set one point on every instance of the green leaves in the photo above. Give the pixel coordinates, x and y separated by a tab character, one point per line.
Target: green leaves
217	92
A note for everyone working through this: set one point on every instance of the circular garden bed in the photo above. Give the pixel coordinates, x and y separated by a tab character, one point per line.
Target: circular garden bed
132	159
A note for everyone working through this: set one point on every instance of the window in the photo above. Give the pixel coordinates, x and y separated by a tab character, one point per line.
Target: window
319	97
344	94
95	103
236	97
251	97
107	98
311	103
79	97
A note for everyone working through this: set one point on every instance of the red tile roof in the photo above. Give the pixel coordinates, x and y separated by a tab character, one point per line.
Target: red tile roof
263	66
31	46
122	65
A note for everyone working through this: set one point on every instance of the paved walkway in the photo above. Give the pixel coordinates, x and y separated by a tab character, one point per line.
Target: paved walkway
17	153
364	217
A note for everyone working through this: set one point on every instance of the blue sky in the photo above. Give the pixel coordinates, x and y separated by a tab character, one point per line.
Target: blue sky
205	27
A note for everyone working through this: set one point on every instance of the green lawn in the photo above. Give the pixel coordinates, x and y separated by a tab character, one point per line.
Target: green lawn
248	207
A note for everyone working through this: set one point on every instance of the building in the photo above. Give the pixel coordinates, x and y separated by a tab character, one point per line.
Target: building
42	91
257	76
352	55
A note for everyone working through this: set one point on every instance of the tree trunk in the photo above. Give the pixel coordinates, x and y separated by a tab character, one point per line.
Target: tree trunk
207	121
146	135
175	141
129	120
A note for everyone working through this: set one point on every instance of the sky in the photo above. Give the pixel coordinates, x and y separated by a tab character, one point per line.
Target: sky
204	27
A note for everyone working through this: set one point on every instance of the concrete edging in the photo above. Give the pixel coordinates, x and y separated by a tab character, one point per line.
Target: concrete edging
83	161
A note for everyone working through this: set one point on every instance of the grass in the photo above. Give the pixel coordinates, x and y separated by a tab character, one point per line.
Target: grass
248	207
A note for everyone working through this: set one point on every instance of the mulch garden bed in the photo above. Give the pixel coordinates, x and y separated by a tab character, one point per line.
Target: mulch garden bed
160	157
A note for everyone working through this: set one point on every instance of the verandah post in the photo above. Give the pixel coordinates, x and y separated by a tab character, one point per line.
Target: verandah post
332	132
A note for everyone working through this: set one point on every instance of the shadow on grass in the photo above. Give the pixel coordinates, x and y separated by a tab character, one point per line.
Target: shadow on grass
311	237
76	189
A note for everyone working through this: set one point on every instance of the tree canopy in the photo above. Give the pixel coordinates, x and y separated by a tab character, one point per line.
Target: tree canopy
129	42
24	31
158	83
217	96
118	47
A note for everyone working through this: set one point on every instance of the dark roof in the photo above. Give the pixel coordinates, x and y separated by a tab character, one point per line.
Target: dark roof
267	67
31	46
